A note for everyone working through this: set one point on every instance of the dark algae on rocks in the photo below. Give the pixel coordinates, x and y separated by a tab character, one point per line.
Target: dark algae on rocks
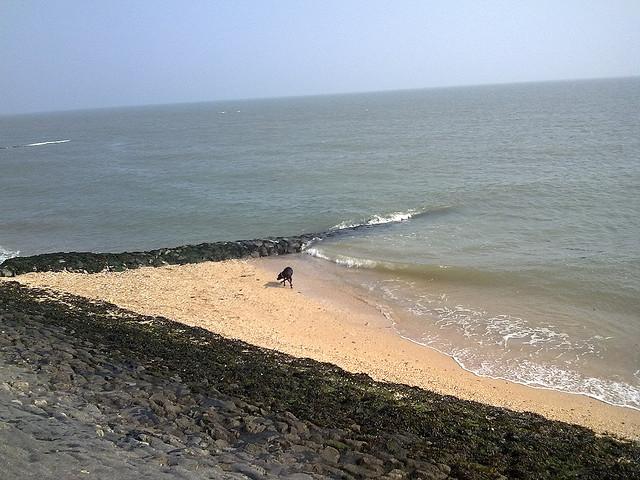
193	402
89	262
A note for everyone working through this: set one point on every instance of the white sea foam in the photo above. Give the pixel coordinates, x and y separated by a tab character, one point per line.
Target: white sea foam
352	262
508	347
500	346
498	330
393	217
535	374
46	143
349	262
553	377
314	252
5	254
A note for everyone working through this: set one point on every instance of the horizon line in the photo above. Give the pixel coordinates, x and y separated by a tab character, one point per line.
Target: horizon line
310	95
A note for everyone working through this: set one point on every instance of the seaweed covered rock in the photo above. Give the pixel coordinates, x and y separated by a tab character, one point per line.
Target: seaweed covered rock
88	262
192	401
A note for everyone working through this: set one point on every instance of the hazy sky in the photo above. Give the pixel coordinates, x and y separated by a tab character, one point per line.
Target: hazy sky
58	55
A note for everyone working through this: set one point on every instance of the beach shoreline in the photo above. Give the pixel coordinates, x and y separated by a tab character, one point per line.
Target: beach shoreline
91	389
322	319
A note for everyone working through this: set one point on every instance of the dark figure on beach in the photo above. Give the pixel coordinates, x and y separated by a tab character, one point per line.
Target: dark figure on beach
286	274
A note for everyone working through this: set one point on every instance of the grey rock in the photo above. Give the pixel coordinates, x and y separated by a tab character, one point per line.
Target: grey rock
6	272
221	443
330	454
360	471
430	472
254	424
369	460
252	471
21	386
255	449
356	444
396	474
297	476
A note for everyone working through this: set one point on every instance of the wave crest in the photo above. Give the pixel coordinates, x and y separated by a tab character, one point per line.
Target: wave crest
46	143
37	144
6	254
349	262
393	217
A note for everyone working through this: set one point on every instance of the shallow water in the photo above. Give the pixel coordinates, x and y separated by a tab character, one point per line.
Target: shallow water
499	222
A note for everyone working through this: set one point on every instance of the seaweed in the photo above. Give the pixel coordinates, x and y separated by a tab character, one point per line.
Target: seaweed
477	441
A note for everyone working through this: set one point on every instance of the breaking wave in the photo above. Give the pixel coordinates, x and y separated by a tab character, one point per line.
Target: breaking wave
46	143
510	348
5	254
541	375
343	260
393	217
448	273
494	345
38	144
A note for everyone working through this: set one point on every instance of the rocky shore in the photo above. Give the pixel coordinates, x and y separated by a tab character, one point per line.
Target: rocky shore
89	390
88	262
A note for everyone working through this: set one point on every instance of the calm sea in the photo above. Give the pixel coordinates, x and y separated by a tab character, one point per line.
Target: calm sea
501	223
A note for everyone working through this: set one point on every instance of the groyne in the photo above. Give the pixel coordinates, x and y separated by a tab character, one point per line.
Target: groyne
88	262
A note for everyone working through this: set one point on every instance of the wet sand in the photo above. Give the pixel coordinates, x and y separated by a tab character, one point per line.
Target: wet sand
322	319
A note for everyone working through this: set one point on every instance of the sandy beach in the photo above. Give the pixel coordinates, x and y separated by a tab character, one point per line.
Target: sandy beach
321	319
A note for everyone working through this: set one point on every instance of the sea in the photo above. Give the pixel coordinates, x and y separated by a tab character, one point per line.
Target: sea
498	224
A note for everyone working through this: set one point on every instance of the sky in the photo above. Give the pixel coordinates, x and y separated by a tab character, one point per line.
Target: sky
75	54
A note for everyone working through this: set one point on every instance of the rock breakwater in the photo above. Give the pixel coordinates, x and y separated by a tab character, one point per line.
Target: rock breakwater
88	262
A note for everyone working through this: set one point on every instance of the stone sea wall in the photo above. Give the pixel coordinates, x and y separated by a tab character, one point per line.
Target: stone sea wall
88	262
91	390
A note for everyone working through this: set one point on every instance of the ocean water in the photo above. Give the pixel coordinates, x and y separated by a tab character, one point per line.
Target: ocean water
497	224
